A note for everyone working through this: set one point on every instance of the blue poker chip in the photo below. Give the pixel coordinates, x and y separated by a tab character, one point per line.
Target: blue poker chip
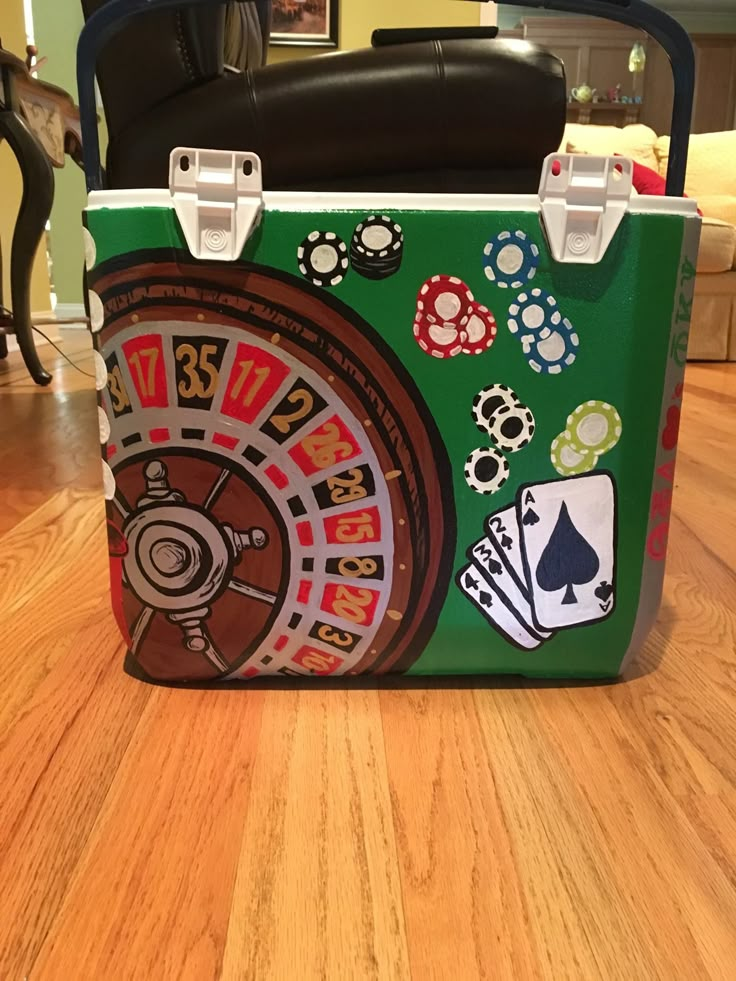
535	315
551	354
510	260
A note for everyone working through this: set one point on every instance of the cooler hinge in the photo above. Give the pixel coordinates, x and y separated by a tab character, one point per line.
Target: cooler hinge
583	202
218	198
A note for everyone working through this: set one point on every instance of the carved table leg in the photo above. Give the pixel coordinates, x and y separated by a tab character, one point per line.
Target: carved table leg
35	208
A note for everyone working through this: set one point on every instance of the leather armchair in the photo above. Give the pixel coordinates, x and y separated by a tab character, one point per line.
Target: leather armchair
454	116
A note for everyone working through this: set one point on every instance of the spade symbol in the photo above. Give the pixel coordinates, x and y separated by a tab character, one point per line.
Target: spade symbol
604	592
506	542
530	518
495	568
567	560
486	600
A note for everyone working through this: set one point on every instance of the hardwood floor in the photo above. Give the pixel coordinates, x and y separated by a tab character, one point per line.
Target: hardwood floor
509	830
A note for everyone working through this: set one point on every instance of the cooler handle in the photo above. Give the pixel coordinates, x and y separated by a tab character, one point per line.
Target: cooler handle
104	23
676	42
108	19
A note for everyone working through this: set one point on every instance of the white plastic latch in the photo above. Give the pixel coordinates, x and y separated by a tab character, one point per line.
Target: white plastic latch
218	198
583	201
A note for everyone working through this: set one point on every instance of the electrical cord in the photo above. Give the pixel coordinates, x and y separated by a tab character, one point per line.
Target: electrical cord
65	356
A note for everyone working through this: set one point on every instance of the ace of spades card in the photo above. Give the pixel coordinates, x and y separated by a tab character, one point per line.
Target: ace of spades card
568	545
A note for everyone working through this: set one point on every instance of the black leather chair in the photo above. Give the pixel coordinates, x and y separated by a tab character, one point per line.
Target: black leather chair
474	115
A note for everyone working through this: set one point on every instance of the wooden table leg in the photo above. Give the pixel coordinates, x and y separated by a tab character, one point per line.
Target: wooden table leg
35	208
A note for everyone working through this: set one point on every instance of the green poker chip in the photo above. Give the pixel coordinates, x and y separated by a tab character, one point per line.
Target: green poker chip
595	427
570	460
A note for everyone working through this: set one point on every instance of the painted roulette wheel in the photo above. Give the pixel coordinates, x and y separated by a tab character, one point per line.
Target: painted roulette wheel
279	499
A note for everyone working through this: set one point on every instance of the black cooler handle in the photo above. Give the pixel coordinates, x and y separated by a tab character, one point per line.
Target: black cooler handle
101	27
676	42
108	19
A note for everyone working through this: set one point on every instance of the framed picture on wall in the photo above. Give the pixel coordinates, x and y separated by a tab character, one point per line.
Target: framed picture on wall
305	22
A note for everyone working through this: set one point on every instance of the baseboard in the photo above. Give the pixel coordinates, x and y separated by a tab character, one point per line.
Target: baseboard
70	311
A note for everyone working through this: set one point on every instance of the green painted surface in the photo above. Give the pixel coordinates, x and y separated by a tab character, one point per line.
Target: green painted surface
622	310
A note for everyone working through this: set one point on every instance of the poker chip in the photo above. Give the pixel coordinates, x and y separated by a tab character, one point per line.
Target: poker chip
445	300
489	401
512	427
595	426
535	313
555	352
570	460
323	259
510	260
480	330
377	247
108	481
96	311
100	371
439	340
486	470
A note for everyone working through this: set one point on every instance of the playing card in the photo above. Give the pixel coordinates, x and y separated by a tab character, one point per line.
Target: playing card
568	543
503	530
494	609
486	558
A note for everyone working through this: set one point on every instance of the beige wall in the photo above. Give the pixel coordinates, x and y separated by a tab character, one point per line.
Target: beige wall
359	18
11	185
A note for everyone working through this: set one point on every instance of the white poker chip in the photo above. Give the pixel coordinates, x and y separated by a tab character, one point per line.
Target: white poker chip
90	249
486	470
323	259
595	426
510	260
104	424
534	314
512	428
555	352
96	311
108	481
100	371
488	402
377	247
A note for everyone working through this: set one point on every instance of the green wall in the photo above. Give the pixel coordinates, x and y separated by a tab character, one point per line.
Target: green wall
57	24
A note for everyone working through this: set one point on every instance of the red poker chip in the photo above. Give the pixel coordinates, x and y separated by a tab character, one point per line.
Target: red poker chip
480	330
439	340
445	300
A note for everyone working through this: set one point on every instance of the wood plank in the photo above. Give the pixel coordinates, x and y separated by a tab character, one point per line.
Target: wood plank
318	890
152	892
56	765
455	843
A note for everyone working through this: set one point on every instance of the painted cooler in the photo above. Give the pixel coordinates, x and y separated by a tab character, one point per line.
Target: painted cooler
392	435
349	435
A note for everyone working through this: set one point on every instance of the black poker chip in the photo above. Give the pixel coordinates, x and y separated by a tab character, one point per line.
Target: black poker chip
486	470
323	258
512	428
487	403
377	247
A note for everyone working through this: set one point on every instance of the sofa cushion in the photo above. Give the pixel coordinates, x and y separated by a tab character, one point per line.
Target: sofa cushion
717	247
720	206
636	142
711	168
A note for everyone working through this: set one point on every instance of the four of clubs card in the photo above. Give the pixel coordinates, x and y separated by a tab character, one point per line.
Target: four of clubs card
547	561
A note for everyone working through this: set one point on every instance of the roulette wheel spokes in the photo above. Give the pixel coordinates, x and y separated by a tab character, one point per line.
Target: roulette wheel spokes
181	559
